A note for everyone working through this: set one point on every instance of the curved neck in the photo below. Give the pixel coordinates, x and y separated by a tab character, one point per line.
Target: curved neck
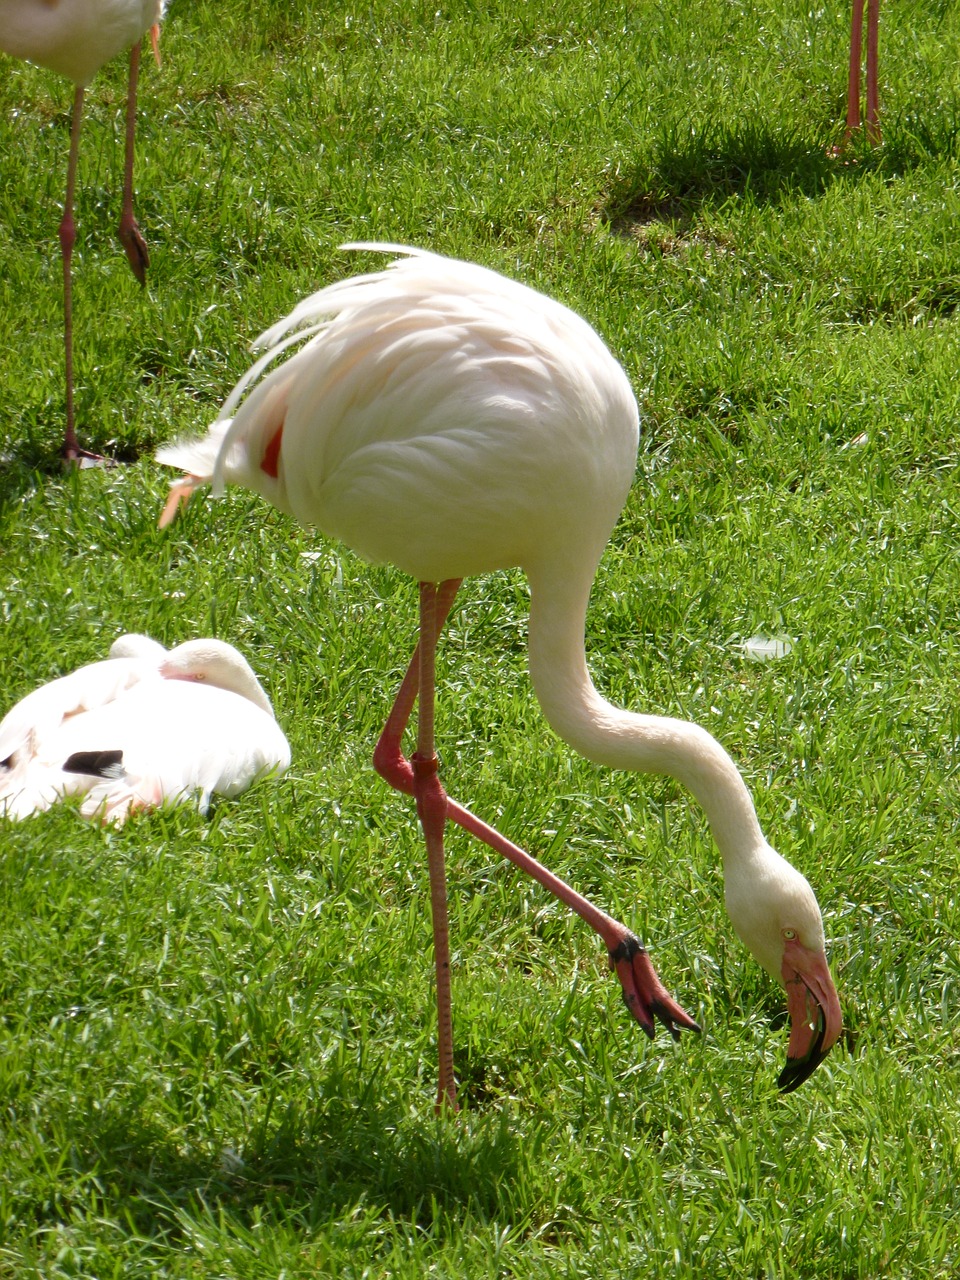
252	689
623	739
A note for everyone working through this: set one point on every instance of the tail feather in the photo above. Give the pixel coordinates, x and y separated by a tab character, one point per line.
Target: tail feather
197	456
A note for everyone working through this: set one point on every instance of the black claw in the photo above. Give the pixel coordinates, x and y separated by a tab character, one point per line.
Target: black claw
663	1015
649	1028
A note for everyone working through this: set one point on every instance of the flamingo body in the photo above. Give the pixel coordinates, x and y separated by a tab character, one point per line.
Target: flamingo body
449	421
428	374
74	37
135	732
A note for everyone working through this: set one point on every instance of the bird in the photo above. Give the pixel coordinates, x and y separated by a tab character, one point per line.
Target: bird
450	421
142	728
75	38
871	119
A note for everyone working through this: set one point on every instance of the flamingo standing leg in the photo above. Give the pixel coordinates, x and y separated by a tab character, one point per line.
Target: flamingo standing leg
130	237
856	60
129	232
644	993
432	811
873	89
68	235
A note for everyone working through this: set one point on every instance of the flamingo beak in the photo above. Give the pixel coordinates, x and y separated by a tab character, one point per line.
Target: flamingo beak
814	1009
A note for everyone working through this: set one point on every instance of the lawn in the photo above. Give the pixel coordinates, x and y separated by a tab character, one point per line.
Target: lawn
217	1036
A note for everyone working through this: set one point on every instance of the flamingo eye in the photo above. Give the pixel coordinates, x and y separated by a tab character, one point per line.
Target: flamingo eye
789	935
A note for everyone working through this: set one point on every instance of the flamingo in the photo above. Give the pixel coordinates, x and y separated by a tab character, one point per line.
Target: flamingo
872	119
449	421
142	728
75	38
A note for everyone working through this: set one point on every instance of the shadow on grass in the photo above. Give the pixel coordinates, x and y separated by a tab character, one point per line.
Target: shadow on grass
30	464
312	1165
691	168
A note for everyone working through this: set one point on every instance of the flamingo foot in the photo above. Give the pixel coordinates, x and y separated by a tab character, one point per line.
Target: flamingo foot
82	459
134	246
644	994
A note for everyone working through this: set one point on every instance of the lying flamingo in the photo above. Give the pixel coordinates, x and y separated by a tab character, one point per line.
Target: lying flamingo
143	728
450	421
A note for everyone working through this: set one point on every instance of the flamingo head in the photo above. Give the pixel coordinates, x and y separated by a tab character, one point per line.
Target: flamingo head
218	663
776	915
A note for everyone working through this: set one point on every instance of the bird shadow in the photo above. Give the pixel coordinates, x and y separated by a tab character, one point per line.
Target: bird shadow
29	466
304	1168
692	166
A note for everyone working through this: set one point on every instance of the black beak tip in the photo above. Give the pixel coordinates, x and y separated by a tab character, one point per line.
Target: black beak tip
799	1069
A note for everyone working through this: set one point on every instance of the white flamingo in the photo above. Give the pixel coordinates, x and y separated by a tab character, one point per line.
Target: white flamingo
451	422
142	728
75	38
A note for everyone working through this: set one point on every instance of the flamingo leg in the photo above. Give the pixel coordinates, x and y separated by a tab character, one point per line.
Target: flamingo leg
71	451
643	992
856	63
128	231
873	89
432	811
68	234
853	80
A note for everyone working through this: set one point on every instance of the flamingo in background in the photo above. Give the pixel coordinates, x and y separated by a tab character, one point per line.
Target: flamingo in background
872	118
450	421
75	38
142	728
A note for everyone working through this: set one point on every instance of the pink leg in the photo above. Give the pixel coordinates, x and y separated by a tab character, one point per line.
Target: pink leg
133	242
853	82
71	451
432	810
388	758
68	235
873	88
645	995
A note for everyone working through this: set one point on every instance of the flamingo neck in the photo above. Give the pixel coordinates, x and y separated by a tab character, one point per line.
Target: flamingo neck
622	739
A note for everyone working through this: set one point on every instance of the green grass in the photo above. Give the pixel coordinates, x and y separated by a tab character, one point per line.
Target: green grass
217	1038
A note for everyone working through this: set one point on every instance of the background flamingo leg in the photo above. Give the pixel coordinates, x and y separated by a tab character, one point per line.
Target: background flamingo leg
853	80
68	235
128	231
873	87
872	120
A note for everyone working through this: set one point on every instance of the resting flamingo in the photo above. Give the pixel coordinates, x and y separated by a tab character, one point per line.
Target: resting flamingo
75	38
142	728
449	421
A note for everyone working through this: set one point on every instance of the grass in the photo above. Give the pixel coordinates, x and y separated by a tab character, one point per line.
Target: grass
217	1037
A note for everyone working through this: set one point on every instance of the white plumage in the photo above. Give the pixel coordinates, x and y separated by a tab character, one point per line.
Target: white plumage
75	38
449	421
142	728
